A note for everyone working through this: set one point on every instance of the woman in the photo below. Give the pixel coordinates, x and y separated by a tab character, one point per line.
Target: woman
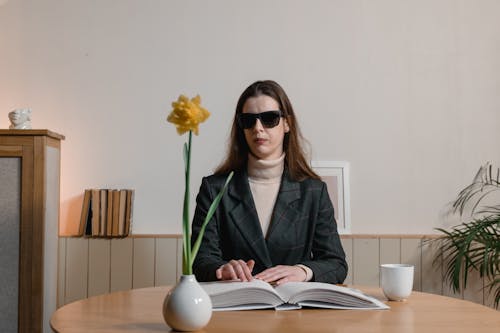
276	221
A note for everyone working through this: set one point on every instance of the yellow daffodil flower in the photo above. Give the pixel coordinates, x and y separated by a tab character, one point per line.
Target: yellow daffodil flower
187	114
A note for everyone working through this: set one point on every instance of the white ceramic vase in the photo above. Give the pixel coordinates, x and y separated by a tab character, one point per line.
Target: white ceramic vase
187	306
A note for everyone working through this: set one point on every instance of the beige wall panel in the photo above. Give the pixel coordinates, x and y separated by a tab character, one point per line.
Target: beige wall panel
121	264
179	258
76	269
347	245
489	297
82	265
390	250
166	261
144	263
61	272
432	267
448	290
411	253
99	266
366	262
474	290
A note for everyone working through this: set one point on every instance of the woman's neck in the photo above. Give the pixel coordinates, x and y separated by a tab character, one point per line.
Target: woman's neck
265	169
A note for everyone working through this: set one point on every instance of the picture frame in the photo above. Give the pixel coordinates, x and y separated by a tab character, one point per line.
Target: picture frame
336	176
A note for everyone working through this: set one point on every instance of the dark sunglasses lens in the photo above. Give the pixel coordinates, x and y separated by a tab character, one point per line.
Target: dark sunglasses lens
247	120
270	119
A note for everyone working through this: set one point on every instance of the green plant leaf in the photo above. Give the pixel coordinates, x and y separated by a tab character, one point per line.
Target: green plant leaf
472	246
208	217
482	184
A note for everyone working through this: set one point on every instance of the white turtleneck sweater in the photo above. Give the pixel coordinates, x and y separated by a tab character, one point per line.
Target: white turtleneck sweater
264	177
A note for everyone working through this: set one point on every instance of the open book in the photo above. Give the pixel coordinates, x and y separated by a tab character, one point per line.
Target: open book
257	294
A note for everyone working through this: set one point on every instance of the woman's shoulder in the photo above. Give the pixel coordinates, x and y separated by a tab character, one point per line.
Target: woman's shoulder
305	182
313	184
217	179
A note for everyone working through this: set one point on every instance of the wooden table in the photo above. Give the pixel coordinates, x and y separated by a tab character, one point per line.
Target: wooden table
139	310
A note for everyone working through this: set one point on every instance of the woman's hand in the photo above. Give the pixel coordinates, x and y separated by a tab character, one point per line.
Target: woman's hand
281	274
236	270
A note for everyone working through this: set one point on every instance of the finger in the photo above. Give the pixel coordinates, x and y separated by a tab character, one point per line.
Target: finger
261	274
235	265
267	273
218	273
291	273
283	280
250	264
247	268
277	273
230	272
227	272
275	277
247	271
242	270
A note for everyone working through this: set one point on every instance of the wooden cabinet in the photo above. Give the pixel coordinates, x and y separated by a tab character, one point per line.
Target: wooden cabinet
29	228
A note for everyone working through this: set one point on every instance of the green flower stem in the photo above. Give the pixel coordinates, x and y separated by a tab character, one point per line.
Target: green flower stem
190	254
187	267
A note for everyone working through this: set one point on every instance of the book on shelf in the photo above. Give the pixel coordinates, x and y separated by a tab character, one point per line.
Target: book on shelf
85	215
129	212
257	294
103	212
106	213
109	214
95	202
116	213
121	215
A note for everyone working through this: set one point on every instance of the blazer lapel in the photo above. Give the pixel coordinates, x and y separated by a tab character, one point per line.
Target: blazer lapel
289	192
244	216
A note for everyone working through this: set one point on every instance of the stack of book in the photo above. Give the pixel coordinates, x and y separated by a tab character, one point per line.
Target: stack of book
106	213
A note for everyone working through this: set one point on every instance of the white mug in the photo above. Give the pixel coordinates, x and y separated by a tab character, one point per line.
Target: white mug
396	281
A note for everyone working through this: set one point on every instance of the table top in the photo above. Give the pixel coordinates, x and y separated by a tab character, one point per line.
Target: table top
139	310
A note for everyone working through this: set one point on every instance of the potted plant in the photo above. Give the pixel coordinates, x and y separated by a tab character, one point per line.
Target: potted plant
475	245
187	307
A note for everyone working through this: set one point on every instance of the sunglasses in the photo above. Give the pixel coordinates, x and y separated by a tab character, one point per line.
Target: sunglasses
268	119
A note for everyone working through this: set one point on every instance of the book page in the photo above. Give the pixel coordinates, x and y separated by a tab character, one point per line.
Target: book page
236	295
326	295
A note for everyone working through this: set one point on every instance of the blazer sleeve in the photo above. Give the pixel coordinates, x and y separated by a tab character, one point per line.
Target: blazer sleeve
209	256
328	258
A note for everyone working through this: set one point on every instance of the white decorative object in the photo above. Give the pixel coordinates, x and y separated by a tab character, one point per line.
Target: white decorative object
396	281
20	119
336	176
187	307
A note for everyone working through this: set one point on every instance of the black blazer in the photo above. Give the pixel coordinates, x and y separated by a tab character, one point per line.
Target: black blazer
302	230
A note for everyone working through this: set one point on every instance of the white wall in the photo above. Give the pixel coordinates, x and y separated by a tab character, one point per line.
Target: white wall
407	91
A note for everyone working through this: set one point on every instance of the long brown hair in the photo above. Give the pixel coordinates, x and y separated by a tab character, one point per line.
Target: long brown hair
237	154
